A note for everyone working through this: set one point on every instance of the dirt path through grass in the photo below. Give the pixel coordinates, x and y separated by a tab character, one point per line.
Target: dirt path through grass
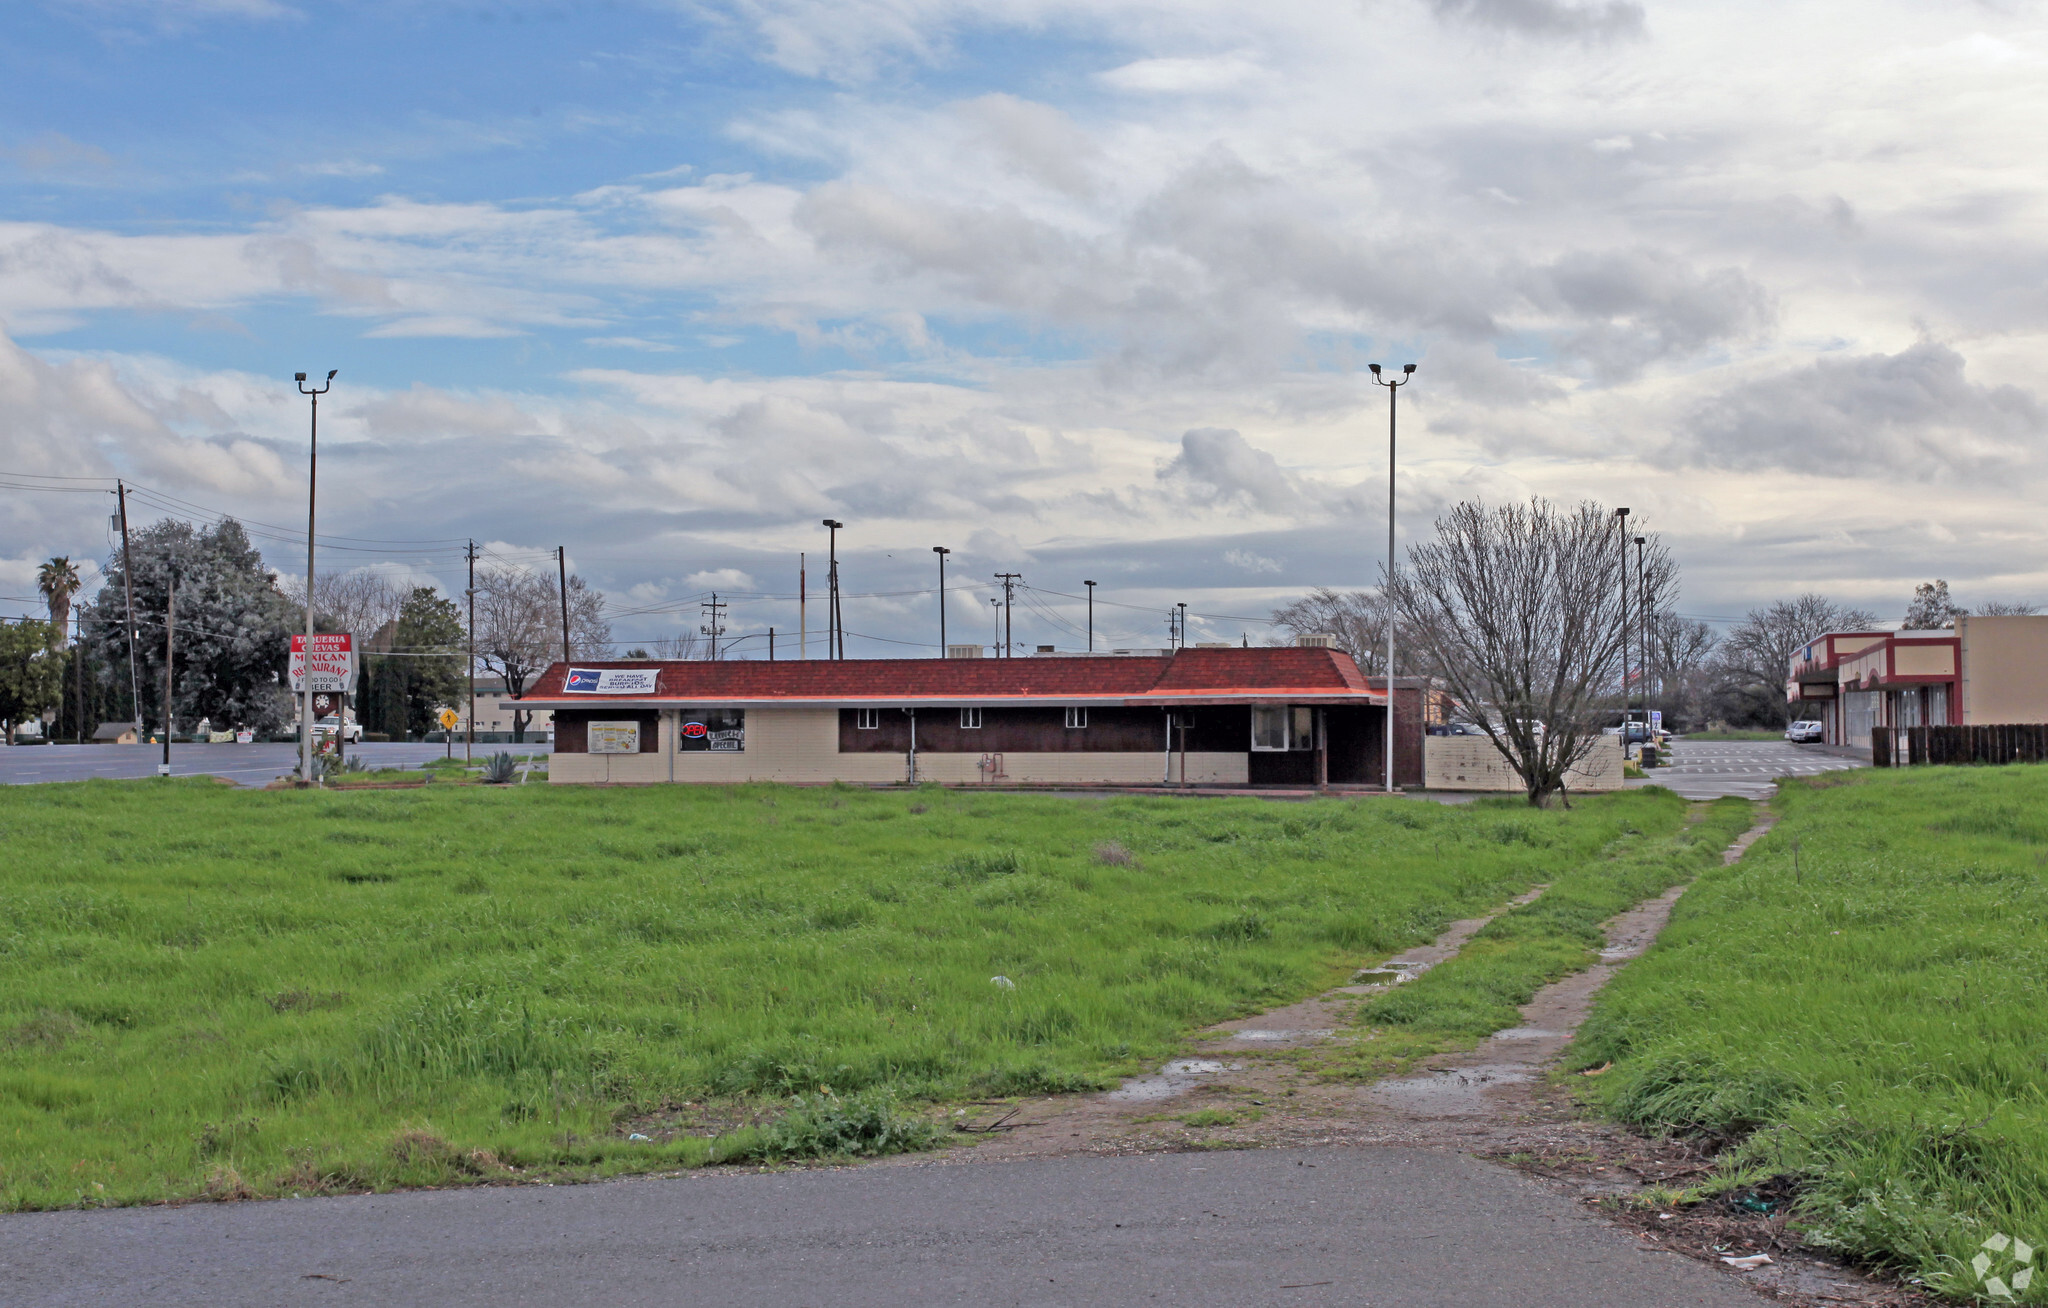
1260	1082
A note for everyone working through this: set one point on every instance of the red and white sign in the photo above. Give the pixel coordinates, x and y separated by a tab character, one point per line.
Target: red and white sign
334	663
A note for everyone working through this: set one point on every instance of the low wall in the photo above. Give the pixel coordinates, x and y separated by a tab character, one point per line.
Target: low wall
1472	763
802	745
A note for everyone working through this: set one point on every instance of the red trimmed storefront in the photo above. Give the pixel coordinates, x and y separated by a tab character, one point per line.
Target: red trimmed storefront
1229	717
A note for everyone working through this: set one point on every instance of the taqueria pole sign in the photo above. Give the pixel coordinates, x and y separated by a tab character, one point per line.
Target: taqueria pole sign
333	663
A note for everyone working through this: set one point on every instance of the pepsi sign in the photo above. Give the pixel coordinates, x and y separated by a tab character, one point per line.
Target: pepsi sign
611	681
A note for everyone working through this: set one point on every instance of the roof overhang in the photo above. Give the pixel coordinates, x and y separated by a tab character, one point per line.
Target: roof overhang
1321	697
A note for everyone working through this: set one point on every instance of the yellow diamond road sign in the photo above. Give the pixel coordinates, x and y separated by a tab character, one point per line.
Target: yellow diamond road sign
449	719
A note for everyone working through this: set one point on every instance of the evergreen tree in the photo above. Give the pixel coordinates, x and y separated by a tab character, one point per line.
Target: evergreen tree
399	691
233	626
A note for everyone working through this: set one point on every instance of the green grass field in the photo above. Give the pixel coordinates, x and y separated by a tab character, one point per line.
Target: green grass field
1859	1004
213	991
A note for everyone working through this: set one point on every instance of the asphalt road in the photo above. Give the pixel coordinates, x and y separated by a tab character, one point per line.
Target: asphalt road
250	765
1747	768
1300	1228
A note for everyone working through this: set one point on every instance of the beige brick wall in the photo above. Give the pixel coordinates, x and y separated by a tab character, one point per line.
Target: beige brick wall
802	745
2005	669
1472	763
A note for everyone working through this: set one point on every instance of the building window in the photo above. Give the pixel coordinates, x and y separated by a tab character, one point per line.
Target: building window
1077	717
715	731
867	719
1275	730
1269	729
970	719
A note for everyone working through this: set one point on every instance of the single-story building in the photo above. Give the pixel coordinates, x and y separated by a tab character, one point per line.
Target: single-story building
1985	671
115	733
1229	717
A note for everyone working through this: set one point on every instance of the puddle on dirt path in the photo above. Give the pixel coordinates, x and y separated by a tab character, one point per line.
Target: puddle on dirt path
1176	1078
1453	1092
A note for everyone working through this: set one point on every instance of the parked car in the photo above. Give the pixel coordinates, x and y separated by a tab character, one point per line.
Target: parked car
1455	729
352	733
1805	733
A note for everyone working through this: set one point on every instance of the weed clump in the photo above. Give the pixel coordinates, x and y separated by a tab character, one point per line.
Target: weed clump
866	1124
1113	853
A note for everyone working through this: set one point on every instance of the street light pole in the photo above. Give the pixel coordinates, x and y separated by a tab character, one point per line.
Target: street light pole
942	552
562	571
1091	615
835	639
1627	707
1386	600
1643	642
312	503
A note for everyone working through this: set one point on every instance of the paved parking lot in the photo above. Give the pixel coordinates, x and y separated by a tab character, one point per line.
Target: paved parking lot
1746	768
248	765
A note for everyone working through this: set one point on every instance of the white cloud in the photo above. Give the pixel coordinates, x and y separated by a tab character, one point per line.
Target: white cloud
1182	75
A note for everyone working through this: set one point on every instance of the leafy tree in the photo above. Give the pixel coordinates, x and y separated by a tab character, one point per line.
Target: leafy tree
1755	657
1518	610
1931	609
419	671
233	627
31	673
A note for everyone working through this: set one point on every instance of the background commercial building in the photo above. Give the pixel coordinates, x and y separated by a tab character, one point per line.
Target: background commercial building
1232	717
1987	671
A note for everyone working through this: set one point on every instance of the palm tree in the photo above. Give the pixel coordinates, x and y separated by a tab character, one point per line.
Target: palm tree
58	580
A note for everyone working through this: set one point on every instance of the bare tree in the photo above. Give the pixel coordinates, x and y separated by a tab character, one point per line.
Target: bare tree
519	627
1358	619
361	602
1999	609
1518	610
1755	657
678	647
1680	662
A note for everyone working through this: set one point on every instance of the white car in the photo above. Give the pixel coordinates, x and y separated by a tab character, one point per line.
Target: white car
351	734
1805	733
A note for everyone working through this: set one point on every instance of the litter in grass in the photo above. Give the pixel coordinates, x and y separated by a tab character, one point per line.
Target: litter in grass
1002	983
637	1136
1746	1264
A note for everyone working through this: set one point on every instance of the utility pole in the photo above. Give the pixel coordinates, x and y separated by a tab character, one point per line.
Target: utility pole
1393	389
771	644
78	667
942	552
713	627
803	620
1091	615
835	638
996	606
1183	607
170	636
469	738
562	571
1009	580
128	585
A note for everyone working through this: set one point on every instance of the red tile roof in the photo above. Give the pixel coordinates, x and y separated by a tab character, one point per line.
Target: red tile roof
1191	676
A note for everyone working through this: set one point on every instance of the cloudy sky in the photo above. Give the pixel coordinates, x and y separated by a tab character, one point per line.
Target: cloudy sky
1079	290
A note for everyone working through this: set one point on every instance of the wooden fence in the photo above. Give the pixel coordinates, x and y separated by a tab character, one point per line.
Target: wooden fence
2013	742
